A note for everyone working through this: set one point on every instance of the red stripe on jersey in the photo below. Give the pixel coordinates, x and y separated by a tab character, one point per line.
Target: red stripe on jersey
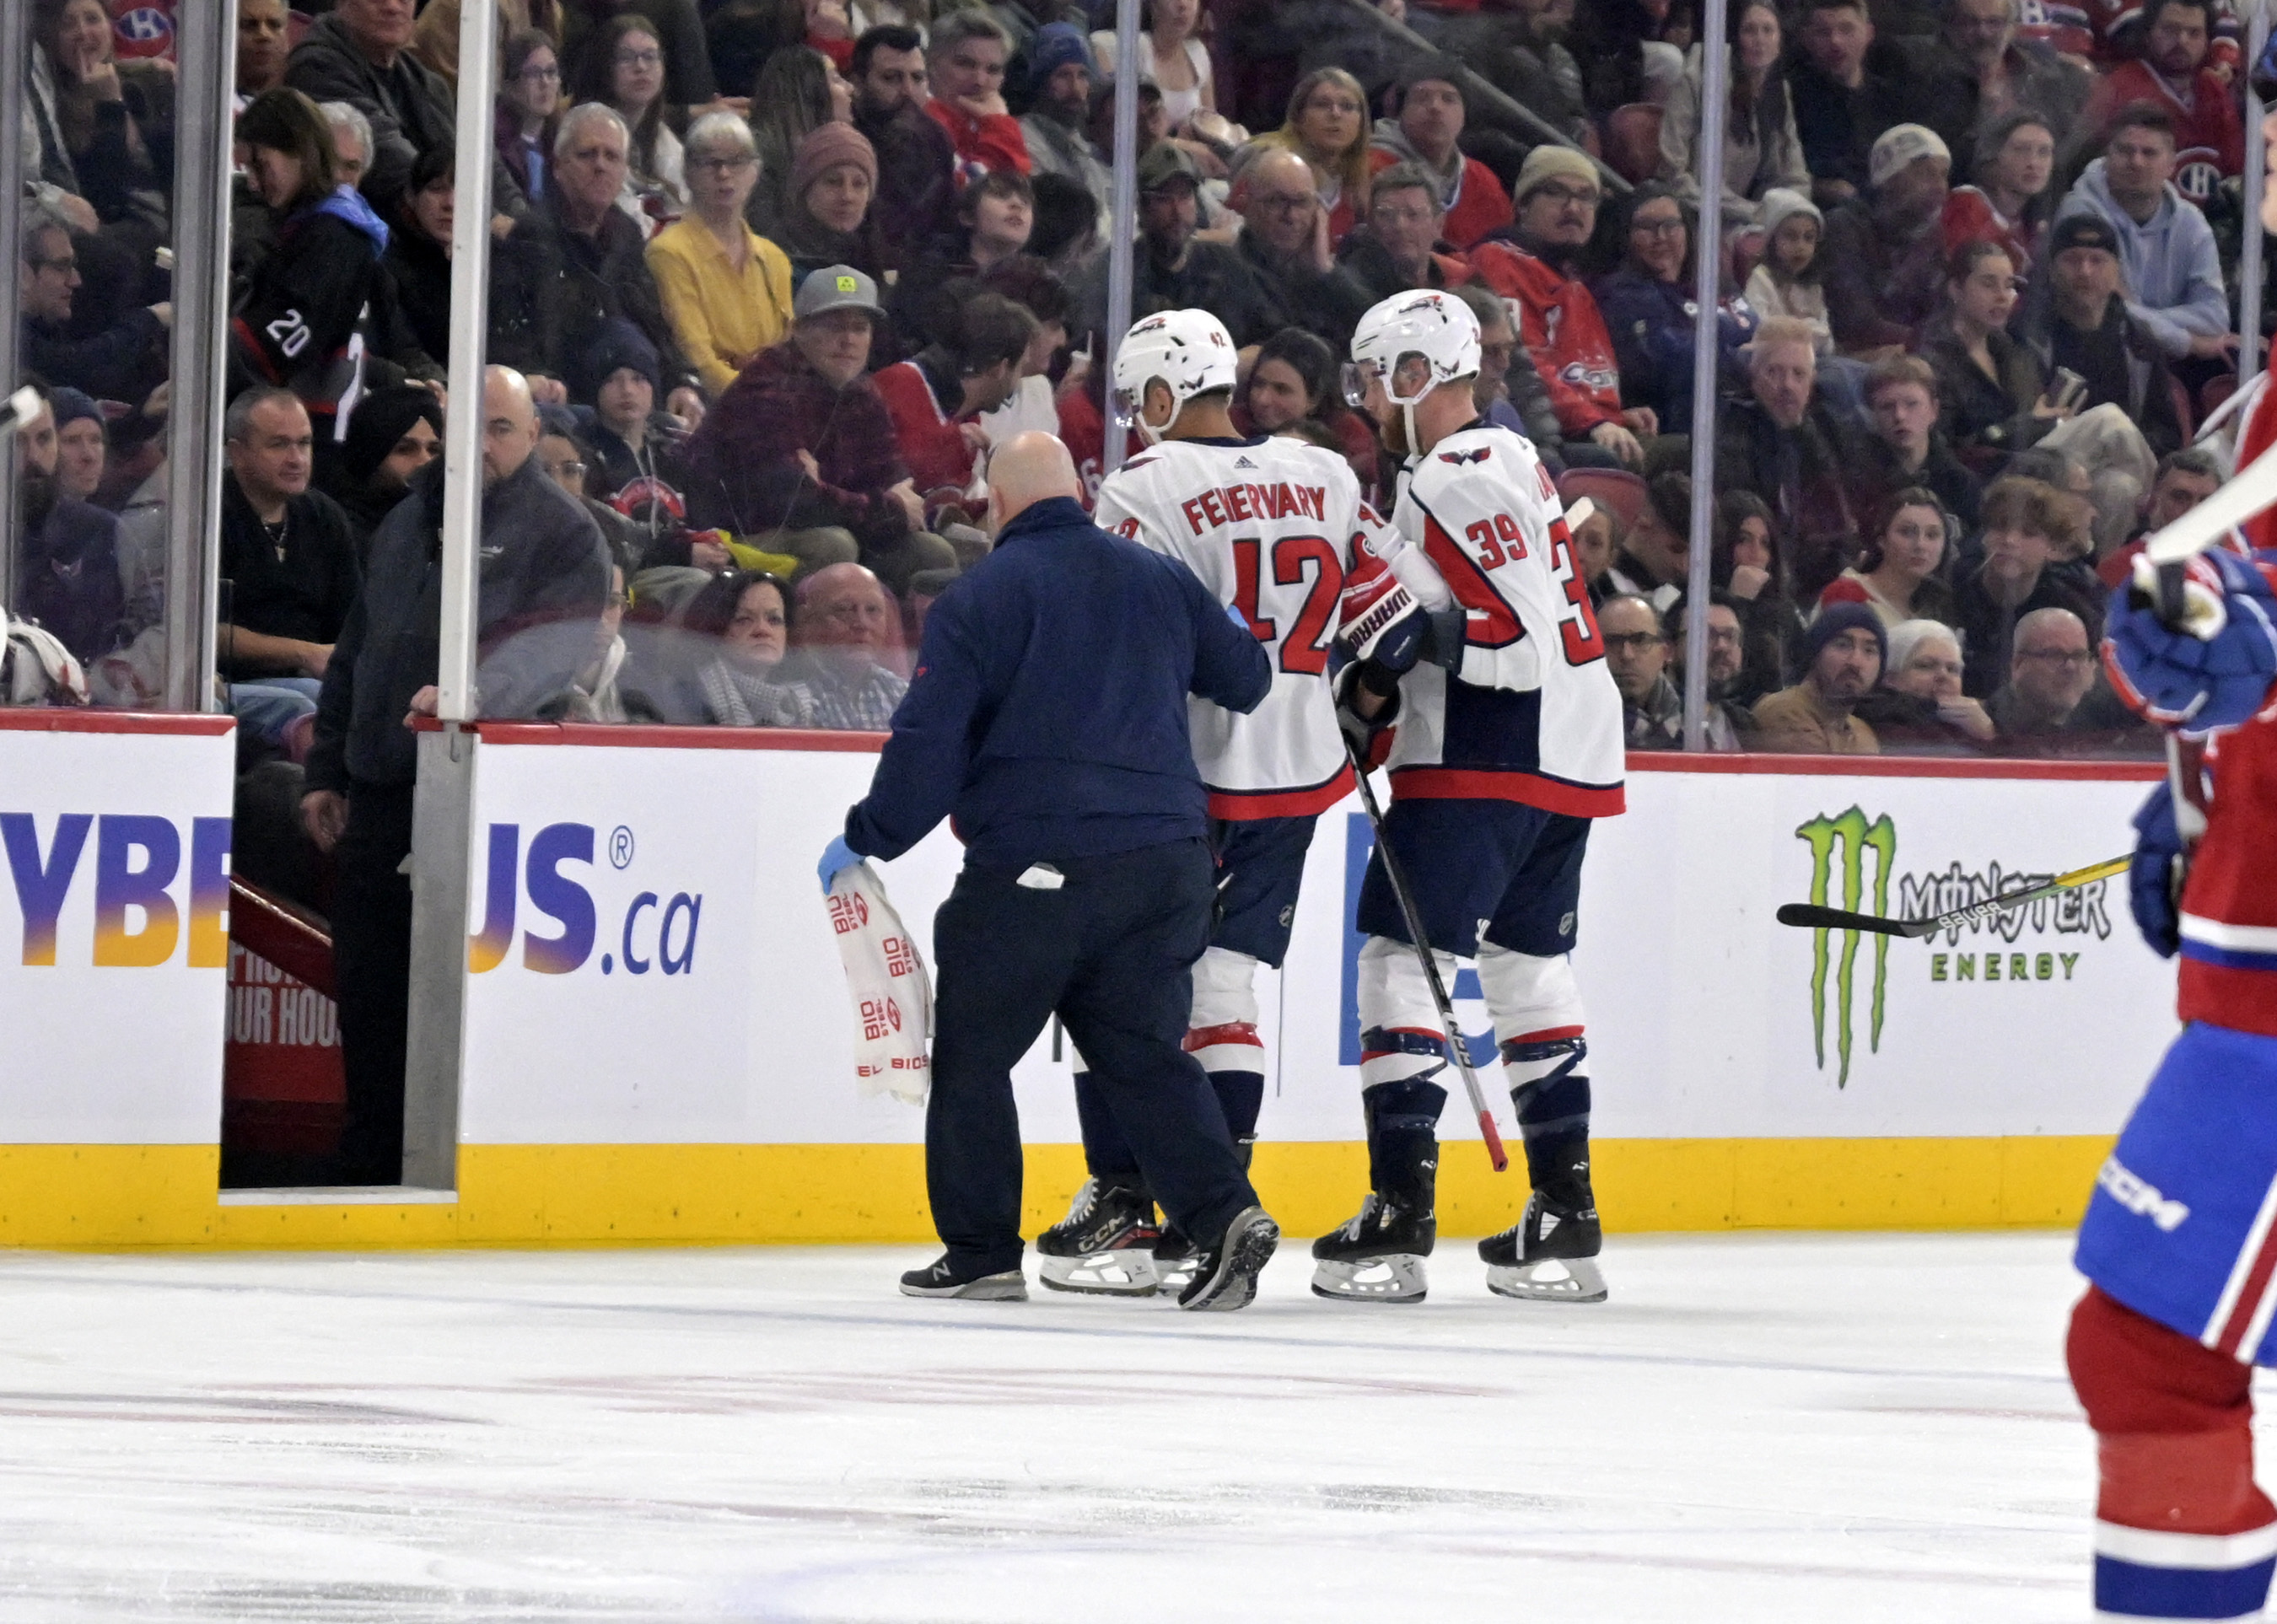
2222	995
1501	627
1236	805
1527	788
2241	1314
1241	1032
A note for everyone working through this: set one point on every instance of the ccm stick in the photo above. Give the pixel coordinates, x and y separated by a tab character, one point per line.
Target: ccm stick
1811	916
1407	910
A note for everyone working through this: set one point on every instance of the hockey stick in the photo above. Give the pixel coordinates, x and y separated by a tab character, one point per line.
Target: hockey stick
1422	945
1811	916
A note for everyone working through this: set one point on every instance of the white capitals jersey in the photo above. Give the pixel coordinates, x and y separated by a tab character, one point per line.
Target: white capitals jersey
1269	526
1532	714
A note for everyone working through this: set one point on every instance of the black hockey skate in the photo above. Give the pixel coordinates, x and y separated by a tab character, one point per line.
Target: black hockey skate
1105	1245
1377	1255
1225	1275
1550	1254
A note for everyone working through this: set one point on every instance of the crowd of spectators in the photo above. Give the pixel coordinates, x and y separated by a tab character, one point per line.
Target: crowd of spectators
777	275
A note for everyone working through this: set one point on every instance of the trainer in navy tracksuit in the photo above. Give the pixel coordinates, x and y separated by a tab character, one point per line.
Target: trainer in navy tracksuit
1047	718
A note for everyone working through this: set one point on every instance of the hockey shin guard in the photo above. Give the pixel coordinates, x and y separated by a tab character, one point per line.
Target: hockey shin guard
1403	1141
1552	1103
2182	1532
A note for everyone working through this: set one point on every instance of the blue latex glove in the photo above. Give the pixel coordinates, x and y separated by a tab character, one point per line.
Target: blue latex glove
836	859
2201	684
1233	613
2154	878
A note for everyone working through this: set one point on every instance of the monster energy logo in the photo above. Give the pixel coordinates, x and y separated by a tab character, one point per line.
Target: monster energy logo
1845	840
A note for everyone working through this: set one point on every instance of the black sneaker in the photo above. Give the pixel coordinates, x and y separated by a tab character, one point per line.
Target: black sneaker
944	1279
1225	1275
1105	1245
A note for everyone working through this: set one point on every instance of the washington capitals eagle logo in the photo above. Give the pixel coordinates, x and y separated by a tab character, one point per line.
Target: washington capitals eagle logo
1459	458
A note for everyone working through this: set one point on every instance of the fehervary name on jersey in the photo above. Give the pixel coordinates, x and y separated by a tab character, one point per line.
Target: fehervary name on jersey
1238	502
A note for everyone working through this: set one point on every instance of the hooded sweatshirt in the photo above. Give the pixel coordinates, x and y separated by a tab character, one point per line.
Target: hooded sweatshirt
2172	271
1474	198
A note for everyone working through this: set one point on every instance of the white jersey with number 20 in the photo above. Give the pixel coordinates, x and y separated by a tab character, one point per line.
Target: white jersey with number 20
1269	526
1532	714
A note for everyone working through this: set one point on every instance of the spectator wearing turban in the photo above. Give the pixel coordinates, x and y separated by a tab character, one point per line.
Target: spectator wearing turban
393	434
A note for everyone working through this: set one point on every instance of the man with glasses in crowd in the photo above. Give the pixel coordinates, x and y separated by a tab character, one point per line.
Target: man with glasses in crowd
1559	322
1284	243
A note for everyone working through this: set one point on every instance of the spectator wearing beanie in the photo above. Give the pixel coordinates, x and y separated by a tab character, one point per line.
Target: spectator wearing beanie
1557	196
1843	654
830	218
1060	110
393	433
636	464
81	446
1425	132
1884	252
726	288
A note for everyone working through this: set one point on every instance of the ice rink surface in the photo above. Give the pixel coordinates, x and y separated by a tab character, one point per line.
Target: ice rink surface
1793	1428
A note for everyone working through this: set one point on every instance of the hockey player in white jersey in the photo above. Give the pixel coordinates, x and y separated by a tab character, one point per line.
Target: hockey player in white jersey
1505	750
1271	526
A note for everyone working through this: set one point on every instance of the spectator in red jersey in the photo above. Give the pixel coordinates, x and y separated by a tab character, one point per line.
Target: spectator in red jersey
1400	247
1847	89
968	53
2171	73
1558	319
1760	147
2010	202
1900	575
1884	253
798	456
935	397
1430	122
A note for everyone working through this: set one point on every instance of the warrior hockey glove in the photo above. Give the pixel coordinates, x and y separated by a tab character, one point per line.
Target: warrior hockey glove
1384	621
1366	676
2215	671
2154	879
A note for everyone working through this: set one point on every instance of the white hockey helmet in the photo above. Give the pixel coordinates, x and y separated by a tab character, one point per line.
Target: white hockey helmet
1437	326
1190	351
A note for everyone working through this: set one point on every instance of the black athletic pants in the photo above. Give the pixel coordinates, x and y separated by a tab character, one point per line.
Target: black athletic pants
1110	950
371	964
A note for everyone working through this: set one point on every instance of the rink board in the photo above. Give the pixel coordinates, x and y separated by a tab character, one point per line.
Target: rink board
658	1036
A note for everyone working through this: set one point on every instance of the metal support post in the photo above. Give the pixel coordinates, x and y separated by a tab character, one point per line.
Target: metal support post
1707	254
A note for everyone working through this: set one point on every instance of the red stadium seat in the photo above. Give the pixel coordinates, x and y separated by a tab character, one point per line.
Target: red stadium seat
1617	491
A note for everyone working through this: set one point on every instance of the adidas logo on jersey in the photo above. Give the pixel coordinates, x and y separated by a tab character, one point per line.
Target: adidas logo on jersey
1243	462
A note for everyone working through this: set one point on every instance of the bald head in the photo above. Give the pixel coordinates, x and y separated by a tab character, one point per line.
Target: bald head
1030	468
845	619
510	423
1281	201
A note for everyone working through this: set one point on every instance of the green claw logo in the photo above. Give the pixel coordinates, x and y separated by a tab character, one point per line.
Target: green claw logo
1851	837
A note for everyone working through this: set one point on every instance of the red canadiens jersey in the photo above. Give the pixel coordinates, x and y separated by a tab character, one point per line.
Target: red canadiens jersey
2229	906
2109	31
1563	329
143	29
2208	129
1532	714
1272	527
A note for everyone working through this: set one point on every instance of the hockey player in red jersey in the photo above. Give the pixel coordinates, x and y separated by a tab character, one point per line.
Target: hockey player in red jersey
1276	528
1509	744
2179	1238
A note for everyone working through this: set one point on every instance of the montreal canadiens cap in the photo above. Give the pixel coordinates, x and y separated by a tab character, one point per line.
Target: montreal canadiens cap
836	288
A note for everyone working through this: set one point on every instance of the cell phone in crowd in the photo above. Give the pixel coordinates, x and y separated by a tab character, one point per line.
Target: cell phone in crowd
2067	390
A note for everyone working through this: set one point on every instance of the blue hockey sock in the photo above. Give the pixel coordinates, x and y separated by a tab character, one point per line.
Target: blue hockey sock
1240	1096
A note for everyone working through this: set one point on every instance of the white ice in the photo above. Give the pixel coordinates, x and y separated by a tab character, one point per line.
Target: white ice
1800	1428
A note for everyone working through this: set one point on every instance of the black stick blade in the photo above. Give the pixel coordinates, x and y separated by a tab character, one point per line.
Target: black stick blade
1810	916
